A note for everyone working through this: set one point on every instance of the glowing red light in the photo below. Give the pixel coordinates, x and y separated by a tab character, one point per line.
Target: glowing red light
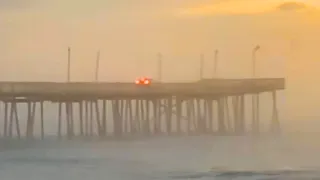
146	81
143	81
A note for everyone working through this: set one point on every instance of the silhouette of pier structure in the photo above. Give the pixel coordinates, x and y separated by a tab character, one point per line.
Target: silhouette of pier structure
160	108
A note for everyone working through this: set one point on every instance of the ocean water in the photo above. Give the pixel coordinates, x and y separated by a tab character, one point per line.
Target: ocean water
164	158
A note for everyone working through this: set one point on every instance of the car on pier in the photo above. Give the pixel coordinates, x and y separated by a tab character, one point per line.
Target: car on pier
143	81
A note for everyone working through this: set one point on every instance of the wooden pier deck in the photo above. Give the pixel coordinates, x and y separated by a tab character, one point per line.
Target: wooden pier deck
209	87
139	109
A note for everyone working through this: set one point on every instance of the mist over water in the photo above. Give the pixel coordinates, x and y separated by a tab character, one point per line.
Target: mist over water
197	157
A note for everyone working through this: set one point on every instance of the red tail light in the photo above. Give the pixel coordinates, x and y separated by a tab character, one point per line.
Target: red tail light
146	81
143	80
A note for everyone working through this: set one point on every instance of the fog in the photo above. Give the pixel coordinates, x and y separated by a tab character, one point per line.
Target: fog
35	35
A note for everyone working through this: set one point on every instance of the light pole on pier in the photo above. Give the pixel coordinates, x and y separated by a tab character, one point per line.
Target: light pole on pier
97	67
201	66
254	51
216	52
159	66
69	64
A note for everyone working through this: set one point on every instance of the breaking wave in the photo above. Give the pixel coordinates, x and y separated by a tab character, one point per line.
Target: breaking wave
284	173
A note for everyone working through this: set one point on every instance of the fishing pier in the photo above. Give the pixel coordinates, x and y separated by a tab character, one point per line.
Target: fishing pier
202	107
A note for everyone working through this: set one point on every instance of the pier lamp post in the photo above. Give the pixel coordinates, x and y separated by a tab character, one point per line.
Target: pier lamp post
216	52
97	67
255	97
69	64
159	66
201	66
254	51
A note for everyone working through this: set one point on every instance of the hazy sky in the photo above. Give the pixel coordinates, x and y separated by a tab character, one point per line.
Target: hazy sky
35	35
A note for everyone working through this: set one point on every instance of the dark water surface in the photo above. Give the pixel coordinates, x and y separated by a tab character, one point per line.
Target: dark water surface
201	157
